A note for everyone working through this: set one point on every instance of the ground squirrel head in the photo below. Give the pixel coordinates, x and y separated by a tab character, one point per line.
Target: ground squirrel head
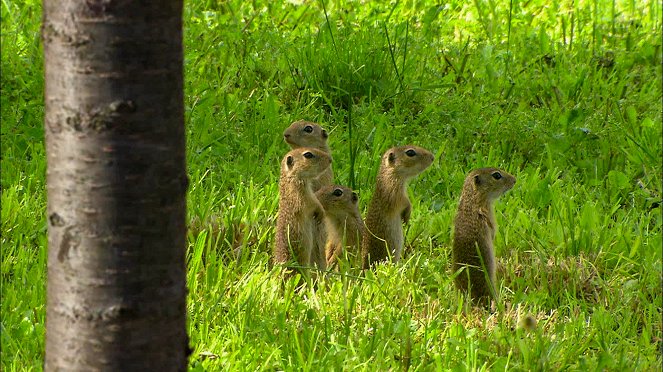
305	134
304	163
488	183
337	199
528	322
405	162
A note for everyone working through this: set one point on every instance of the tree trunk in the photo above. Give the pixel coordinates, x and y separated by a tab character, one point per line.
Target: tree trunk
116	182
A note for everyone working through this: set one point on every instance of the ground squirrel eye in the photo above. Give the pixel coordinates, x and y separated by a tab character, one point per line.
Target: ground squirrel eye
309	155
337	192
497	175
410	153
308	129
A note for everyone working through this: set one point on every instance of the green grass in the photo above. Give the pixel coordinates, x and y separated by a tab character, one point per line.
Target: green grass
565	95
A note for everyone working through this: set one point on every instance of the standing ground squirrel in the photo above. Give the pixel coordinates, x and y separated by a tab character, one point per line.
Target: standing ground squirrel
299	210
307	134
475	228
390	203
343	226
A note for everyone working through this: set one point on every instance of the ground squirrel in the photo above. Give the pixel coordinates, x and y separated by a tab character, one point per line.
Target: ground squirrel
307	134
474	230
343	226
299	210
390	203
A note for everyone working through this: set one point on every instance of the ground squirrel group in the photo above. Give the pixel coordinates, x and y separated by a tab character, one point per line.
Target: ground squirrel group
318	219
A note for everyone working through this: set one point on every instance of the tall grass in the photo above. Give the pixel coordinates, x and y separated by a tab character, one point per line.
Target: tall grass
566	95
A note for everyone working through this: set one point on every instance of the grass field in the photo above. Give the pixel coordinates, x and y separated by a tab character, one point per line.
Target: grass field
566	95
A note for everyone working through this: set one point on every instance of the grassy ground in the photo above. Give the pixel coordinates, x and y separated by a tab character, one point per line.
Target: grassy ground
565	95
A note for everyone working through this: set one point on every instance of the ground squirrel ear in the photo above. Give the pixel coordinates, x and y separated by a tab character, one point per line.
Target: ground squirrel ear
392	157
290	161
477	180
324	134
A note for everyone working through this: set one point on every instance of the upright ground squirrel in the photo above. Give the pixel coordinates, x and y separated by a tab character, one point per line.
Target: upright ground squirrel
390	205
343	225
299	210
475	228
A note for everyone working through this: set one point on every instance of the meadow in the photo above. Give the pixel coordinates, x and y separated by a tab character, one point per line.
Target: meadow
564	94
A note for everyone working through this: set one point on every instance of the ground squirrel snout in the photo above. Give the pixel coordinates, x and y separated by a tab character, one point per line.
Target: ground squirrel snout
390	205
474	231
304	133
343	226
299	209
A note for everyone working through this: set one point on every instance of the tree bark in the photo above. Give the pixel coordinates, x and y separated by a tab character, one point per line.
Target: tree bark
116	182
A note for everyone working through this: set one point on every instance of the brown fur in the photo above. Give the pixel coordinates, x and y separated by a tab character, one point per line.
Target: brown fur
343	226
308	134
474	231
390	204
299	209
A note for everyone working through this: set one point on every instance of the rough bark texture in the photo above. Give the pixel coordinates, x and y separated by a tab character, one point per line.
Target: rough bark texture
116	185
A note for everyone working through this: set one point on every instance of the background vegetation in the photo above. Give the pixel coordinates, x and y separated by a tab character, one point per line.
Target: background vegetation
566	95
